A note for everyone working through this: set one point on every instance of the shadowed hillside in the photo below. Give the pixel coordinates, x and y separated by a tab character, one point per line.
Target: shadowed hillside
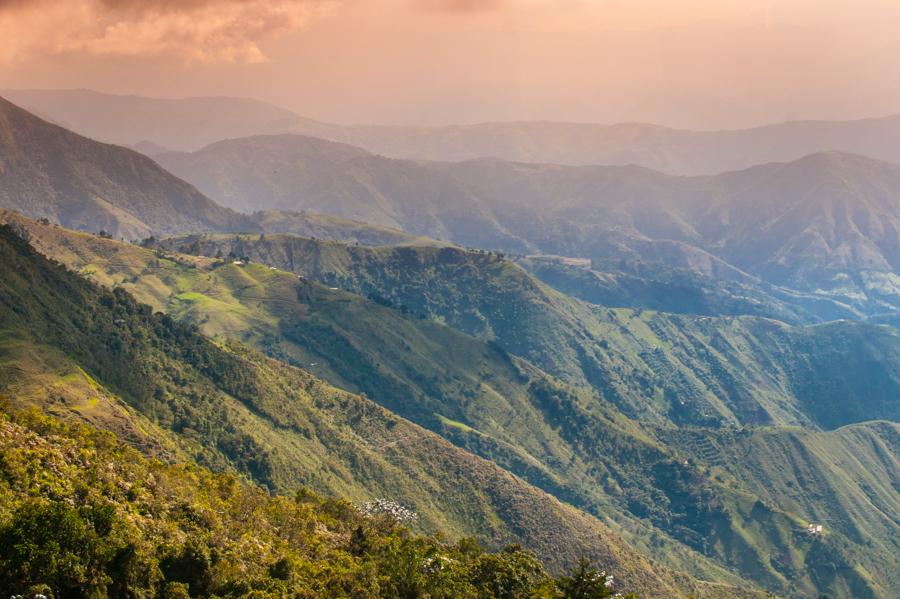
49	172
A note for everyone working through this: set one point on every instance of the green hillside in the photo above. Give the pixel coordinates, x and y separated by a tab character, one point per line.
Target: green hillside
845	480
654	366
474	394
76	350
499	407
679	290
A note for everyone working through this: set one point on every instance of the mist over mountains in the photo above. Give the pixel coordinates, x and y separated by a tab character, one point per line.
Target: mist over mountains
163	124
49	172
191	123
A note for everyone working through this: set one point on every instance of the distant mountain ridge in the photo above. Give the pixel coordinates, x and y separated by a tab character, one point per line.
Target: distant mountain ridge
191	123
674	151
826	223
49	172
156	123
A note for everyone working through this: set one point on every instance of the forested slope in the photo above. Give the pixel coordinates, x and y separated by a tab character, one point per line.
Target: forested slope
233	409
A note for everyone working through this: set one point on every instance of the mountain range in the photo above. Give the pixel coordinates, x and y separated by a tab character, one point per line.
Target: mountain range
691	381
825	224
191	123
502	414
49	172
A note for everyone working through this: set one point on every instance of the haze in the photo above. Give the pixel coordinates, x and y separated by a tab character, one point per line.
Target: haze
684	63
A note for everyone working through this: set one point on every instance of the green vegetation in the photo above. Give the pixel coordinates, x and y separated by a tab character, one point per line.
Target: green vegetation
655	367
452	390
845	480
234	410
649	286
562	440
565	442
83	515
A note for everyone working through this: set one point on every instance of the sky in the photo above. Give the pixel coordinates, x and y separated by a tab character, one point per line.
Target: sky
699	64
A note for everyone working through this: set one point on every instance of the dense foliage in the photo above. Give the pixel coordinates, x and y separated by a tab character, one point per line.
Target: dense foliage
82	515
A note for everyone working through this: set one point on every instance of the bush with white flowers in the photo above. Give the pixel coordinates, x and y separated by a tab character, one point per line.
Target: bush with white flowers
392	509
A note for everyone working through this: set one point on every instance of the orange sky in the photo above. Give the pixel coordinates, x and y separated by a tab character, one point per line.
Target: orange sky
703	64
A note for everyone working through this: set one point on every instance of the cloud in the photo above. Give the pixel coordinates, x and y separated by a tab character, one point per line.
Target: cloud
191	31
460	6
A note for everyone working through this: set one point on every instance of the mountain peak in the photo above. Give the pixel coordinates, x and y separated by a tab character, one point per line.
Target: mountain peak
48	171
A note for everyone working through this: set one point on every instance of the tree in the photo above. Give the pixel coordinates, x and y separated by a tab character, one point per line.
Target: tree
359	543
510	574
58	545
190	566
587	582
